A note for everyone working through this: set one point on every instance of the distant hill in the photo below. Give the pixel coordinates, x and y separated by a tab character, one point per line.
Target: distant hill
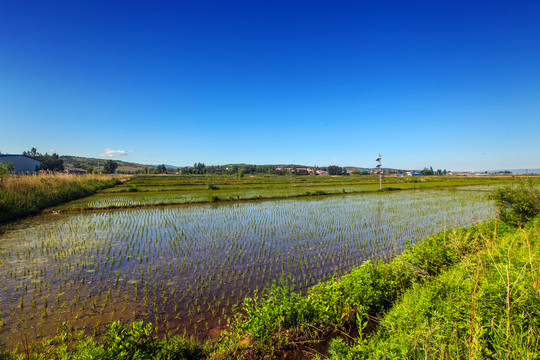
175	167
523	171
518	171
84	162
274	165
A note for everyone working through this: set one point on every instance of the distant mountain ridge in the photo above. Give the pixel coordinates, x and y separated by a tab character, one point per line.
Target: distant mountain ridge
126	166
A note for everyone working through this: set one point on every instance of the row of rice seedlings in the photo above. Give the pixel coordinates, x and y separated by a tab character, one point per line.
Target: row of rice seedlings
191	266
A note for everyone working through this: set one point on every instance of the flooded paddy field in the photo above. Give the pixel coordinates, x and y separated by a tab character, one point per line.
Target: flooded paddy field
128	199
186	268
152	190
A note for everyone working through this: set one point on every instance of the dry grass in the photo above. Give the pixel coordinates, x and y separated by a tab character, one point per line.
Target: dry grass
22	195
15	182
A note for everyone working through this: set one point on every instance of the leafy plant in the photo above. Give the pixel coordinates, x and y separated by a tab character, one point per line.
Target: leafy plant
5	168
517	204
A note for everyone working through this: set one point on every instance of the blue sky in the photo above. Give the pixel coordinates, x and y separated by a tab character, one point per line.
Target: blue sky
448	84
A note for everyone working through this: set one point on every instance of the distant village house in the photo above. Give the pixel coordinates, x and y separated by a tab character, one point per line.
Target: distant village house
22	164
74	171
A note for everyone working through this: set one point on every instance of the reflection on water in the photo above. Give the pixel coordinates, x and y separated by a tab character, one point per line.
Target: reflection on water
184	268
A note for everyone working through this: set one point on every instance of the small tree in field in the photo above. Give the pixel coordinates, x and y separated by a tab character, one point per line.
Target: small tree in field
517	204
109	167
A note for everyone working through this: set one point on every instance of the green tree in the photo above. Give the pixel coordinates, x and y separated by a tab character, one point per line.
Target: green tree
199	168
48	162
336	170
51	162
161	169
427	171
110	166
32	153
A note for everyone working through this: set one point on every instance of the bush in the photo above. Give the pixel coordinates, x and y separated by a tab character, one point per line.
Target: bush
135	341
517	205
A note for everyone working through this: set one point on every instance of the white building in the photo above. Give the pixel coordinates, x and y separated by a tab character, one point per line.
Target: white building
21	163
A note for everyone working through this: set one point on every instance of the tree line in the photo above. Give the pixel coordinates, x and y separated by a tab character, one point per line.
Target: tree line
50	162
430	171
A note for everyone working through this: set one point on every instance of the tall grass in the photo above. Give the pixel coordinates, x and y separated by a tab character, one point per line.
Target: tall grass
22	195
485	307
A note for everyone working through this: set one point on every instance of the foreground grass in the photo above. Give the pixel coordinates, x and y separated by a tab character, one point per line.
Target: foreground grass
485	307
465	293
23	195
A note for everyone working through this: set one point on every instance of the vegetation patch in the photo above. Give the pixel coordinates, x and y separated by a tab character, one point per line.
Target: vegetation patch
23	195
487	306
517	204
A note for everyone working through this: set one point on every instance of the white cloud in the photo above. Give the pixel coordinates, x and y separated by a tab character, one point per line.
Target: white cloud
53	150
113	153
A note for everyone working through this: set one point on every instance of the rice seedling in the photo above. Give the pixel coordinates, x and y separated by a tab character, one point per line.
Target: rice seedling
197	263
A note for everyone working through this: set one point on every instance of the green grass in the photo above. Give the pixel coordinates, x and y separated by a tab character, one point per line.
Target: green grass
487	306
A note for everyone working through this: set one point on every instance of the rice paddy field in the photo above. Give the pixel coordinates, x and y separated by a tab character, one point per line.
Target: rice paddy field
186	268
170	190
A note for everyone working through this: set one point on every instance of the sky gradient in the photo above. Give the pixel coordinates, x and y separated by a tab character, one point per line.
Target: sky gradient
449	84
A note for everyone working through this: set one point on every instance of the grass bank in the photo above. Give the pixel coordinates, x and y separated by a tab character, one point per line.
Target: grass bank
372	297
485	307
23	195
464	293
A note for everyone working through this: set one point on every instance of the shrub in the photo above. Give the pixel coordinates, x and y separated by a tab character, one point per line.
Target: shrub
517	204
135	341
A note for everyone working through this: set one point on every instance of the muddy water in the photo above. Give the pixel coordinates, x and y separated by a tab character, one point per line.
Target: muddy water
187	268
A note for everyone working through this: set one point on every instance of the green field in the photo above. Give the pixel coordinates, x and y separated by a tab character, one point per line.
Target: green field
144	190
186	268
189	268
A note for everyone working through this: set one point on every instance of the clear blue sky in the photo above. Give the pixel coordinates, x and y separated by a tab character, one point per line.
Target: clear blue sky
449	84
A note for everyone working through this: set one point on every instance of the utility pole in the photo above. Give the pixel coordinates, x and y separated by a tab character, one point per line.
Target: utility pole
380	171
